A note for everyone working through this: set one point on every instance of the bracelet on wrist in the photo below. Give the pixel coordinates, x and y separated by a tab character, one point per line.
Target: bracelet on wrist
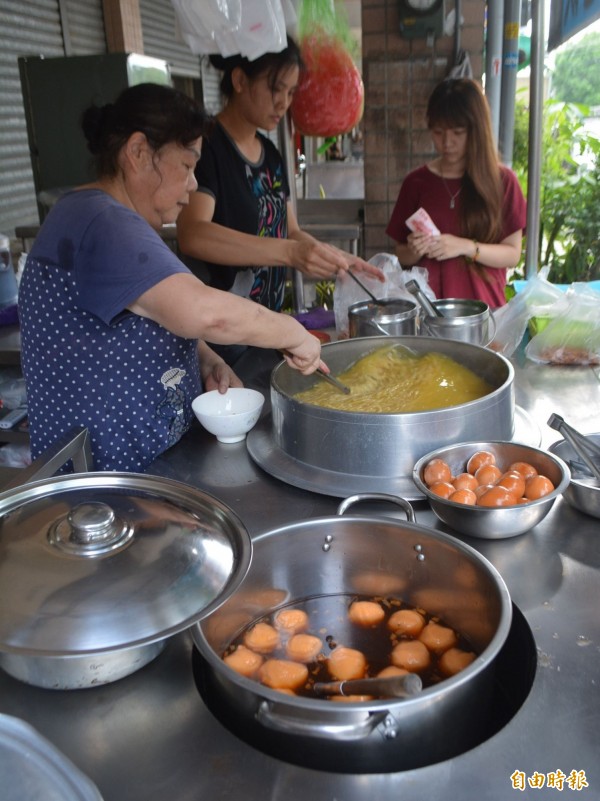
475	256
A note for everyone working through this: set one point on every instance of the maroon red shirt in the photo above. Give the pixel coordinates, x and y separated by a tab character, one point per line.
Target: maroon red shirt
455	278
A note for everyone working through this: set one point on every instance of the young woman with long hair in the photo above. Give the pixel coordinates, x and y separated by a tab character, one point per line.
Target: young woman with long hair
473	199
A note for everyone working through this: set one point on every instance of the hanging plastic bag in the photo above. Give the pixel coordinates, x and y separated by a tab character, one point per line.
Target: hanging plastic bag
538	298
346	291
573	336
329	100
248	27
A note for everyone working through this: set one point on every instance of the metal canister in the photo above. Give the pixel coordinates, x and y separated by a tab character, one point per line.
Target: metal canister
392	316
464	320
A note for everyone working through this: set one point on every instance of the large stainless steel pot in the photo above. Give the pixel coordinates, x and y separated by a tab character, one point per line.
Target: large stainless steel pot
366	555
98	569
388	445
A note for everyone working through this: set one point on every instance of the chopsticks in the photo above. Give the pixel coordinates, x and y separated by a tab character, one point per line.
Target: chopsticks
334	381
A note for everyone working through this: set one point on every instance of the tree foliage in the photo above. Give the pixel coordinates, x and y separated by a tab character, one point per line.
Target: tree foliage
569	239
576	76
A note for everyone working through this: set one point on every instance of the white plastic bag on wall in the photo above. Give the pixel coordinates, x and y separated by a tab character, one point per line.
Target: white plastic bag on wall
229	27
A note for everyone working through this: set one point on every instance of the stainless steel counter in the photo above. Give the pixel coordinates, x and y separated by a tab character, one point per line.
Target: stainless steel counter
150	737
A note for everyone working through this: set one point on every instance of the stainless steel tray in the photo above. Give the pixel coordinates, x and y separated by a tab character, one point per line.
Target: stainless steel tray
268	455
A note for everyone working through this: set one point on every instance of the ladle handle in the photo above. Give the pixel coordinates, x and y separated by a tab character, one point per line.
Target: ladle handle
363	287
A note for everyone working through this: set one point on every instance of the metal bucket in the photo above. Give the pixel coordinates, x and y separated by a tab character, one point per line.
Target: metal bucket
393	317
464	320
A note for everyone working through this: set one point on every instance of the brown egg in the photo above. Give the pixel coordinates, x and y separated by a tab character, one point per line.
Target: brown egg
262	638
411	655
465	496
391	670
366	613
346	663
513	481
481	489
524	468
478	459
243	661
438	638
291	621
454	660
488	474
497	496
537	487
406	621
283	675
436	470
442	488
465	481
303	647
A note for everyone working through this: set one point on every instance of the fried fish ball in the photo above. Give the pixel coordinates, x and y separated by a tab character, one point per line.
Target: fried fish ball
303	647
438	638
391	670
291	621
346	663
406	621
478	459
366	613
281	674
243	661
351	698
436	470
454	660
412	655
262	638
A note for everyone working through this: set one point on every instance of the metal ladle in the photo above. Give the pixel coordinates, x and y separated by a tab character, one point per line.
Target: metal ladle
364	288
388	687
582	446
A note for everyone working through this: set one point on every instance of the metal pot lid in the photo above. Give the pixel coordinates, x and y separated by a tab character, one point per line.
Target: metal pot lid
31	767
93	562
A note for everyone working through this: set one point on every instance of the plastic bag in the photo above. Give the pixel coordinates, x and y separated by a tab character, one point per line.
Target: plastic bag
573	336
248	27
539	298
329	100
347	291
15	455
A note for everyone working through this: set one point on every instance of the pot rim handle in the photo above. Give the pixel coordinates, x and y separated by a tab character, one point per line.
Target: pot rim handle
268	715
378	496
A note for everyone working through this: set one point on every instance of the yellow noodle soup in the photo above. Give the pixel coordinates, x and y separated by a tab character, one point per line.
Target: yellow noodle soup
393	379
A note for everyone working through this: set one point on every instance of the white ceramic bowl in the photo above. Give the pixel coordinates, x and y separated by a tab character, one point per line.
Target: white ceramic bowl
230	415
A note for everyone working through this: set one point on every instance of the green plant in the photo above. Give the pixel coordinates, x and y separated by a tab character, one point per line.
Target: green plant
569	190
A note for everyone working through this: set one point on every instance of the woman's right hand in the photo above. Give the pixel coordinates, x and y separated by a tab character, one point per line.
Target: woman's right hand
305	357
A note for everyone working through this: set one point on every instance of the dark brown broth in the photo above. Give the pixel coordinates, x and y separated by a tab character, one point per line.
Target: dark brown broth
329	620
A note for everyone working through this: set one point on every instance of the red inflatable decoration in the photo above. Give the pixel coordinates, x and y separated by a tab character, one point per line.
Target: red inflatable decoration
330	97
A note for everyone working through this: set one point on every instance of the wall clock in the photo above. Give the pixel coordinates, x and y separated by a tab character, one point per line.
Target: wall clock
421	19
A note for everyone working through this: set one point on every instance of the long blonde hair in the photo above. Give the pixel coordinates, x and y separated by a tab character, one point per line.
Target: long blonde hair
460	103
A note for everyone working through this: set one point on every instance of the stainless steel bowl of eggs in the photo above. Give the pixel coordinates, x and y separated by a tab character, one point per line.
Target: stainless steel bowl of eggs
491	490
